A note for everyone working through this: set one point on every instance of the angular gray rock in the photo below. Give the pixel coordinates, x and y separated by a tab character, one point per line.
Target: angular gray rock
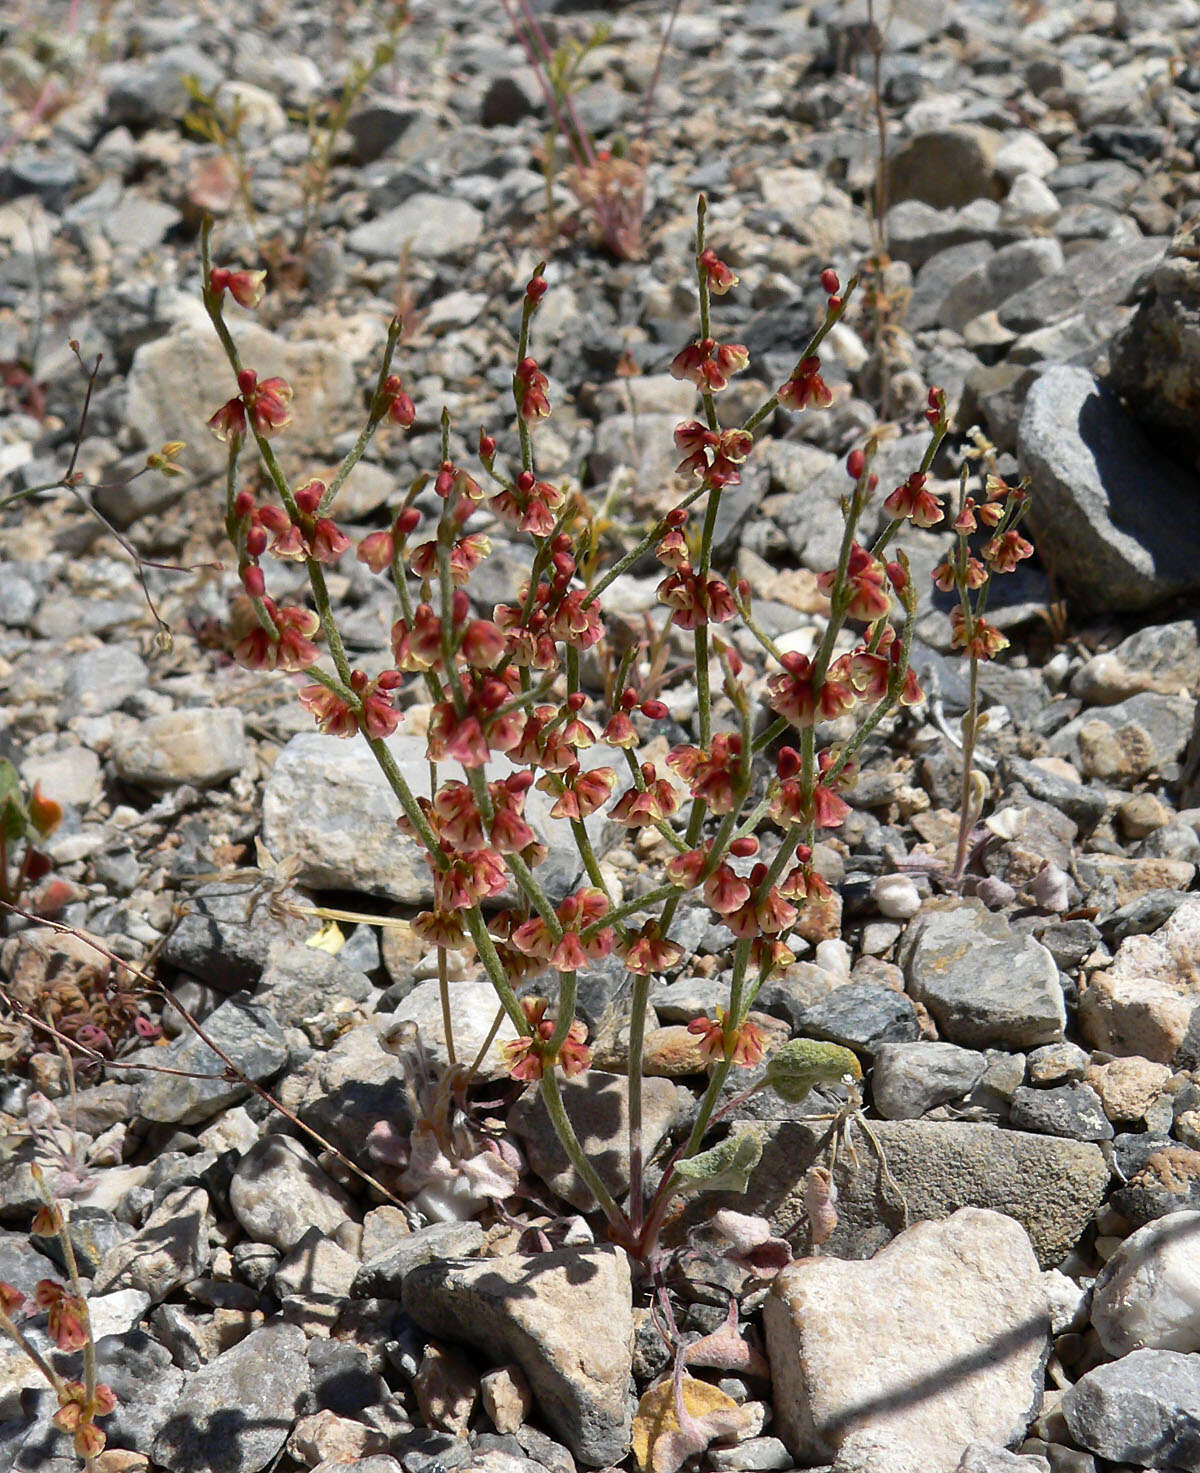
1110	509
99	680
899	1363
200	745
1049	1185
430	225
383	1276
1155	361
178	381
1142	1409
278	1192
328	803
598	1107
169	1248
248	1034
234	1414
566	1317
146	1384
911	1078
983	983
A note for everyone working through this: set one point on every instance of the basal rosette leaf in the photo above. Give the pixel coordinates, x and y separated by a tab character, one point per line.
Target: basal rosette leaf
724	1168
796	1066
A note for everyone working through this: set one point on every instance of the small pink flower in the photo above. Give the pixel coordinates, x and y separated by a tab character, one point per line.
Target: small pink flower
640	807
295	650
333	713
397	406
377	549
1003	553
719	277
806	388
327	542
866	578
245	287
266	403
914	501
229	422
983	641
709	364
526	1059
531	384
649	952
745	1046
583	792
67	1320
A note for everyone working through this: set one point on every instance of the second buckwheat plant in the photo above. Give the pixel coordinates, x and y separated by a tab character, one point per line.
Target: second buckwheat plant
514	686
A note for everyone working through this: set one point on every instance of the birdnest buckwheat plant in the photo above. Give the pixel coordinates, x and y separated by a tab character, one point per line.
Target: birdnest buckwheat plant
517	686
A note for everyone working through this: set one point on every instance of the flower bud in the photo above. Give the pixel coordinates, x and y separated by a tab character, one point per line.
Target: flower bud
788	763
829	281
654	710
744	848
856	463
253	581
408	521
487	448
536	289
308	497
897	577
256	541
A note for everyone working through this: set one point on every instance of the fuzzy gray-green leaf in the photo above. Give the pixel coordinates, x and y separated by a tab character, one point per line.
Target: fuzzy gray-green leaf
797	1065
724	1168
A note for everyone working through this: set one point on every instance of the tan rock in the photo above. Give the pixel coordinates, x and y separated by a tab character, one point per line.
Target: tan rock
1127	1087
446	1388
1143	1004
507	1397
1140	814
672	1053
1119	755
1132	878
326	1436
898	1363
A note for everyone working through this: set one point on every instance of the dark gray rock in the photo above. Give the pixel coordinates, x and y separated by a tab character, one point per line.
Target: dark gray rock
250	1036
1071	1110
22	1264
909	1079
146	1384
235	1414
1154	362
383	1277
1094	280
1142	1409
1115	513
169	1248
227	930
1084	805
92	1232
863	1016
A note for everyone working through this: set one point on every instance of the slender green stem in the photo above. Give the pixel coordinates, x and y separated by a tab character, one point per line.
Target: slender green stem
639	1006
367	433
565	1131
